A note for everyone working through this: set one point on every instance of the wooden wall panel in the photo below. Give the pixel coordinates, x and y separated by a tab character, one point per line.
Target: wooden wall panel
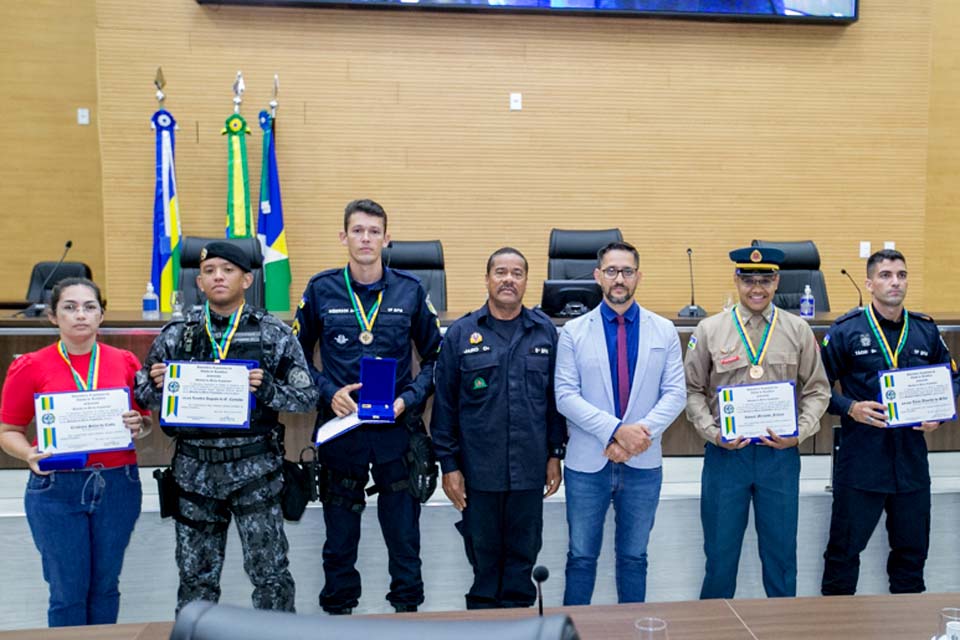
943	169
50	166
681	133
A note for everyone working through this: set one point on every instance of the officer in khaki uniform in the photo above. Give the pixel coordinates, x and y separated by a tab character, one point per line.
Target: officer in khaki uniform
753	342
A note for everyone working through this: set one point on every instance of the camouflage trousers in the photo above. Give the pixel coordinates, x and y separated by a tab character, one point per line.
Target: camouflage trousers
200	554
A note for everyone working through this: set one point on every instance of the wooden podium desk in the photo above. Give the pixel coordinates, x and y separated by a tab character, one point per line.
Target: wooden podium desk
901	617
127	330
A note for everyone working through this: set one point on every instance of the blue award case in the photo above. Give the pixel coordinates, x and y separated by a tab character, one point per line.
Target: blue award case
378	376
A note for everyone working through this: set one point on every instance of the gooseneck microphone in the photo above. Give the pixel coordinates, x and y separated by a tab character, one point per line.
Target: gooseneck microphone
540	575
37	308
853	282
693	310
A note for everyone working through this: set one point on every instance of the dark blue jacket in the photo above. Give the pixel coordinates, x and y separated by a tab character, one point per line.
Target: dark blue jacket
325	315
887	460
494	414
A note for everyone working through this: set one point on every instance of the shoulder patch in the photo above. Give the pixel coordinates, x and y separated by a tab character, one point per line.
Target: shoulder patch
692	344
826	340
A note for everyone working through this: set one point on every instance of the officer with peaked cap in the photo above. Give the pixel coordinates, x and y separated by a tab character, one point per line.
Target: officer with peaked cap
755	342
222	474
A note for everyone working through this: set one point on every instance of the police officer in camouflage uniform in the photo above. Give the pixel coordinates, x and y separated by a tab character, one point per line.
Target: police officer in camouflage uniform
366	309
222	474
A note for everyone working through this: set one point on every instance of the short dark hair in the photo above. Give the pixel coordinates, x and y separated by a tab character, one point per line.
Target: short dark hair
366	206
618	245
58	288
502	251
880	256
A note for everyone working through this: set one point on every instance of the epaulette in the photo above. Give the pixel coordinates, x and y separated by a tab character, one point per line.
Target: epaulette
325	273
919	316
853	313
539	316
406	274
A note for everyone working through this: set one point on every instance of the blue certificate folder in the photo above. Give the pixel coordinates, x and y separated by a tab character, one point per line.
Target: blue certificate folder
249	364
379	379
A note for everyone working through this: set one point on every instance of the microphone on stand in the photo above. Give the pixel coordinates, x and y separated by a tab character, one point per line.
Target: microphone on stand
540	575
859	293
37	308
693	310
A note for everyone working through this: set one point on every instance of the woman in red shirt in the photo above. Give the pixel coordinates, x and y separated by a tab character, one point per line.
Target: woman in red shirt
81	519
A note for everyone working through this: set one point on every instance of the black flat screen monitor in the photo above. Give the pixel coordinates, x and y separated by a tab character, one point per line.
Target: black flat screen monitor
819	11
569	298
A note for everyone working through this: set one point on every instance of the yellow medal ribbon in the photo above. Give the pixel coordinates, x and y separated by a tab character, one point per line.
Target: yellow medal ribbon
889	354
93	373
755	357
366	320
221	349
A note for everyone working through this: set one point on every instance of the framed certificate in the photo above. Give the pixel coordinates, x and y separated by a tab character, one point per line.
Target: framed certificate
82	421
207	394
748	410
917	394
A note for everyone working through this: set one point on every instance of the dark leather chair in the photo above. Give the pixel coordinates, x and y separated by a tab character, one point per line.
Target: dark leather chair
190	248
47	274
801	267
207	621
424	259
573	254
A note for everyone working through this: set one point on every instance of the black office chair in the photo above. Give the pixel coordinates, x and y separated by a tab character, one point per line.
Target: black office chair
207	621
573	254
46	275
190	248
801	267
424	259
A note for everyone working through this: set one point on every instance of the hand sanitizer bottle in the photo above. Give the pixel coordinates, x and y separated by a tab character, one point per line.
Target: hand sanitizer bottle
151	304
808	306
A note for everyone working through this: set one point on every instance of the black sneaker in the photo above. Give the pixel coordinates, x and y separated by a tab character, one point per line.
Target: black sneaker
405	608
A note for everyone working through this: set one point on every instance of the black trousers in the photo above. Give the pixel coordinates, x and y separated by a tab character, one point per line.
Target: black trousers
503	533
855	516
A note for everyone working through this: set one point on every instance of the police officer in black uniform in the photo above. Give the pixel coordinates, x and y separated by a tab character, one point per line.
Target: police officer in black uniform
497	433
220	474
366	309
879	468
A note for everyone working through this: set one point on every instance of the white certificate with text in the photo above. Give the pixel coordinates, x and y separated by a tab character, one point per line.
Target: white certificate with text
918	394
207	394
82	421
749	410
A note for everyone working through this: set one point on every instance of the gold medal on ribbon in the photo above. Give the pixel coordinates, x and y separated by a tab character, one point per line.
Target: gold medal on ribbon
757	355
364	319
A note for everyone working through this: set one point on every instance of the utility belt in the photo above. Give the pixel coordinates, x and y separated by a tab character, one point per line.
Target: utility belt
171	493
226	454
293	496
334	487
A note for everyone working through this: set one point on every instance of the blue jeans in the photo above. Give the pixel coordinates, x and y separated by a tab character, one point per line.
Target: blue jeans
81	522
635	494
768	477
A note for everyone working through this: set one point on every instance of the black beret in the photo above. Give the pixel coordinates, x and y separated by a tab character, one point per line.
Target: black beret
227	251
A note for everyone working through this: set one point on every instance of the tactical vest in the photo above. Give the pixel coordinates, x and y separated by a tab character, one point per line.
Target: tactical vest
247	344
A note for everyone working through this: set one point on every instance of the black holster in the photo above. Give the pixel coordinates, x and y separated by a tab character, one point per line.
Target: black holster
168	492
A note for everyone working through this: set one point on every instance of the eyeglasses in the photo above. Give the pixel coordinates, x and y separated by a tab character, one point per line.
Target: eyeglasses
758	281
611	273
71	308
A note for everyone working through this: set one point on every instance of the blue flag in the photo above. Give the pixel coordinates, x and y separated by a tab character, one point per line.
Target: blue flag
270	230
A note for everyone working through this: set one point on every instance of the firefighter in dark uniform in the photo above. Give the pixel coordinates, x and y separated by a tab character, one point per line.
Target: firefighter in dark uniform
224	474
368	310
879	468
497	433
